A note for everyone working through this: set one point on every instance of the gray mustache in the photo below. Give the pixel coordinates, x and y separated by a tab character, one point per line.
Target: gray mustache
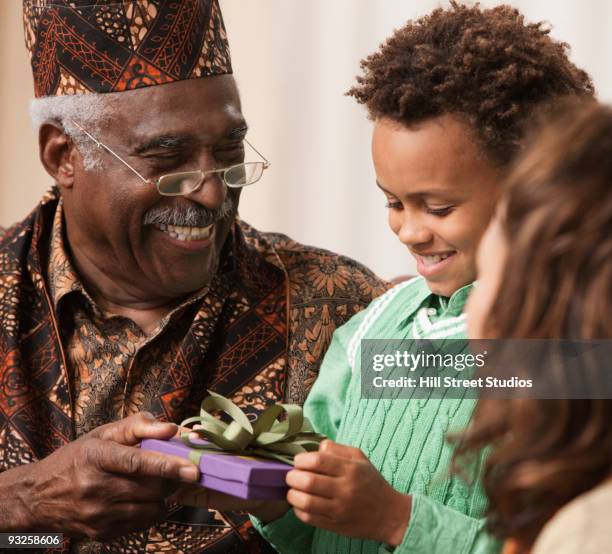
188	216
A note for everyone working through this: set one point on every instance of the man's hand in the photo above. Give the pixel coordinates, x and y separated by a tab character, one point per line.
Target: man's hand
98	486
338	489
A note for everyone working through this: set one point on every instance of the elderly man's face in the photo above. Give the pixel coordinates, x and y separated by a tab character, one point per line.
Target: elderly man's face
166	246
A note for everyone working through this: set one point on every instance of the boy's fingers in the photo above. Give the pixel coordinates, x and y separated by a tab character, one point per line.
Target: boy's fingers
310	503
313	483
323	522
341	450
319	462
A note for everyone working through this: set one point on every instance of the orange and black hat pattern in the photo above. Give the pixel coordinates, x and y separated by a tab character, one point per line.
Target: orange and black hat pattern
83	46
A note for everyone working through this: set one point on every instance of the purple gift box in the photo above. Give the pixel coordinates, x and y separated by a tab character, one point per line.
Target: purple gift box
241	476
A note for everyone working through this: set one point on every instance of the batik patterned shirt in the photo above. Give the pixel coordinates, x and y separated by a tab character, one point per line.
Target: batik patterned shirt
116	368
256	334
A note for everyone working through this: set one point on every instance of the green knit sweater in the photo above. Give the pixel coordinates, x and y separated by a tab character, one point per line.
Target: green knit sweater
404	439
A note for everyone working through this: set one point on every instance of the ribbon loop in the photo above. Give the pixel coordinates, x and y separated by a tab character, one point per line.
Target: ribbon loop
268	438
237	435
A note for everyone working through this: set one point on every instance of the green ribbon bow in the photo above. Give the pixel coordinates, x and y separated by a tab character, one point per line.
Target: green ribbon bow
266	438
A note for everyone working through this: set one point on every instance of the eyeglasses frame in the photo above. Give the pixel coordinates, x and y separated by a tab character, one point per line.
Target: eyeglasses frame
203	174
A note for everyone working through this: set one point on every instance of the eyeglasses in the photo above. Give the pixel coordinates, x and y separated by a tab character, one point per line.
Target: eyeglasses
186	182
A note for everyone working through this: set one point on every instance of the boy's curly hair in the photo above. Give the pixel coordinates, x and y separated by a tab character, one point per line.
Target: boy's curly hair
486	65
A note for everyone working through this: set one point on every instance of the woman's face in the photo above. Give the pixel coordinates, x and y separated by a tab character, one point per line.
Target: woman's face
490	262
441	192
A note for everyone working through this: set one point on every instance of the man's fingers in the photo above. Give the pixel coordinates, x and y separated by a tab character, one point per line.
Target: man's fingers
131	430
180	430
128	460
341	450
137	488
313	483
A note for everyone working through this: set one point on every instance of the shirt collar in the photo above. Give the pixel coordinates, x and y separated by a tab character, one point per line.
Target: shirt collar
63	278
454	305
449	306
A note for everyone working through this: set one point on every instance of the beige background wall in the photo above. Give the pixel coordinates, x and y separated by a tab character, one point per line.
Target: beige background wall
293	60
22	179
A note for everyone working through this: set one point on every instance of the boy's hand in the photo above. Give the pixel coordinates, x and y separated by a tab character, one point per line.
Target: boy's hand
338	489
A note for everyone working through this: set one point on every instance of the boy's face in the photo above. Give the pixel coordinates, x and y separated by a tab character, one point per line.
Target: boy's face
441	192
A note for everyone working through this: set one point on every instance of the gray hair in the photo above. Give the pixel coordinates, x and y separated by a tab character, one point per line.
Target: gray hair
89	110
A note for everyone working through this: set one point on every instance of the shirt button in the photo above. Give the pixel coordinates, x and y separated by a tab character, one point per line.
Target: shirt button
432	311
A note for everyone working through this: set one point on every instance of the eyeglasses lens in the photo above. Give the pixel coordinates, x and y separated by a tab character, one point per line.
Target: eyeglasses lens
180	183
244	174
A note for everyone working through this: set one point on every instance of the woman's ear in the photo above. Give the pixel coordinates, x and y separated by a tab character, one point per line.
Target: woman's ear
57	152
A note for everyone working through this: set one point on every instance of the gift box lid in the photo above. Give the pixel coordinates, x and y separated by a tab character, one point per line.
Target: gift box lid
229	467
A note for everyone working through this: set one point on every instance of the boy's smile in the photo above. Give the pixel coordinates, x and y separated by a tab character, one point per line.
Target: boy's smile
431	263
441	192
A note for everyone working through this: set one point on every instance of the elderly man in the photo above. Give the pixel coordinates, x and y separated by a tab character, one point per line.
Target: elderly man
133	287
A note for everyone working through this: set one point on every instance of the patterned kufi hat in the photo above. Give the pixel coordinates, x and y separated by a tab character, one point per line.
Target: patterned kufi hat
81	46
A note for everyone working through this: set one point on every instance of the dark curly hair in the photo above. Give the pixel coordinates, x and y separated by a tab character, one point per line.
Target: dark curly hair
486	65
